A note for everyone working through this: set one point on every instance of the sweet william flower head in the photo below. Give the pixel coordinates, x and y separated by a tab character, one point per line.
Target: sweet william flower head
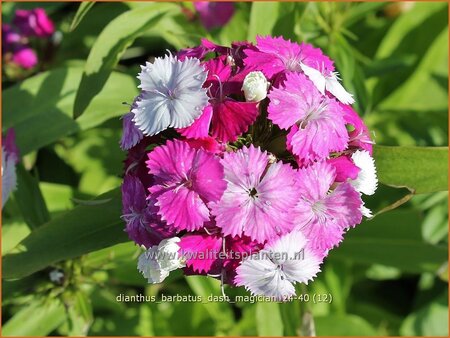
172	94
255	86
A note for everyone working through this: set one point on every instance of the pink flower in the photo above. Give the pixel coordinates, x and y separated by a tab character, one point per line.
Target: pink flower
225	118
186	179
202	50
258	198
275	55
143	225
323	216
214	14
315	122
33	22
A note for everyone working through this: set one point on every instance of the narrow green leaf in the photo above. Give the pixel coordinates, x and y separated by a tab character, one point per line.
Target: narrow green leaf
81	12
29	199
43	114
268	319
112	42
263	17
420	169
35	319
72	234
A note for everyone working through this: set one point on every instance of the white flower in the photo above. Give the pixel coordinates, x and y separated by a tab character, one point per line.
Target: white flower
9	177
156	263
273	271
255	86
329	82
172	94
367	180
366	211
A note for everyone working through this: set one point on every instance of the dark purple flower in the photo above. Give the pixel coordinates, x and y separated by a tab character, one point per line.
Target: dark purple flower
214	14
33	22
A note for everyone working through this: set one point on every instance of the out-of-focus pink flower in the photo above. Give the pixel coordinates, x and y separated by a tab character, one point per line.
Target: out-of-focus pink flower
25	57
33	22
214	14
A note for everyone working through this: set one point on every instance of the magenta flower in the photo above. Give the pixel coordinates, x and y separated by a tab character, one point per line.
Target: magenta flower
34	22
345	168
186	179
213	254
275	55
258	198
360	135
323	216
214	14
25	57
225	118
316	124
143	225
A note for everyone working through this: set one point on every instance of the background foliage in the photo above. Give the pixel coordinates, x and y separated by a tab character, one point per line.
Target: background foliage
389	277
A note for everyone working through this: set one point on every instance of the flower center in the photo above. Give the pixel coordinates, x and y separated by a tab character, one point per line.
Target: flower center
253	193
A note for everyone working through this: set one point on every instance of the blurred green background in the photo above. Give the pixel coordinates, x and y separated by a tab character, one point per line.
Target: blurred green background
390	275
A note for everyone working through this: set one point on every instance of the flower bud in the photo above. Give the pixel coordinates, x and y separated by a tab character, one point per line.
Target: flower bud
255	86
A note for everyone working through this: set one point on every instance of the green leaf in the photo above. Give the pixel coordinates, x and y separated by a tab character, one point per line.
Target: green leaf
80	314
343	325
35	319
420	169
75	233
112	42
263	17
81	12
12	234
40	108
29	199
268	319
430	320
219	311
392	239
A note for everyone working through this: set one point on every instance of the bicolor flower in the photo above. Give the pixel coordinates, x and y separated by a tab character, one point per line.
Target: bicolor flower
316	124
274	270
225	118
186	179
33	22
172	94
258	198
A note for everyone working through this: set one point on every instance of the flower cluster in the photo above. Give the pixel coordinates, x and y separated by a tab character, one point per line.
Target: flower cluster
17	36
245	163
